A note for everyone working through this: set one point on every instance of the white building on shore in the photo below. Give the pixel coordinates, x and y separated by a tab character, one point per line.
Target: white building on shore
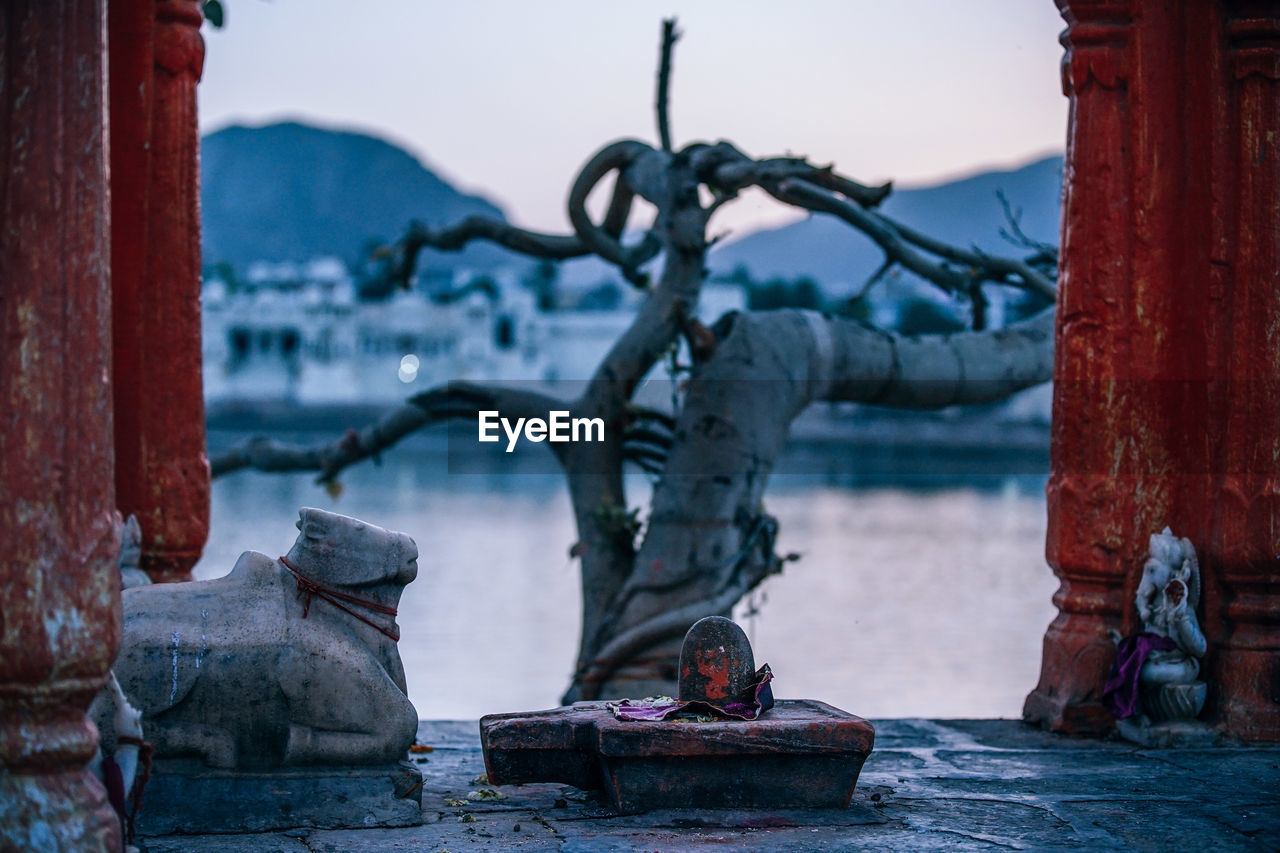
297	335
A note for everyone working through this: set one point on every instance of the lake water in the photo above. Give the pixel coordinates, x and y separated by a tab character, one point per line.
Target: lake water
915	596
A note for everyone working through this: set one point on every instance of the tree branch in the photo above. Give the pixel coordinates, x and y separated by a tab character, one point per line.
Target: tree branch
726	169
901	243
669	39
796	182
936	371
864	195
554	247
455	400
995	268
1015	235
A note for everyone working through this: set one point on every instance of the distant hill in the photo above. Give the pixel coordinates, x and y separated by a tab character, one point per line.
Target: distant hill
293	192
964	213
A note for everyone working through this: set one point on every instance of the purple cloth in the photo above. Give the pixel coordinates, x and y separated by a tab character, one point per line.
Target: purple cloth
113	778
749	706
1120	693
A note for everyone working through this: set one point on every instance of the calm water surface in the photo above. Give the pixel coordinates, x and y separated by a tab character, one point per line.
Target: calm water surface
912	599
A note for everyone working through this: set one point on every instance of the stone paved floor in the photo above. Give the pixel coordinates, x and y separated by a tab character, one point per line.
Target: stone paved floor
929	785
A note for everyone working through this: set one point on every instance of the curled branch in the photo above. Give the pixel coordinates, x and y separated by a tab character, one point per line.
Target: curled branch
647	448
647	438
662	420
605	240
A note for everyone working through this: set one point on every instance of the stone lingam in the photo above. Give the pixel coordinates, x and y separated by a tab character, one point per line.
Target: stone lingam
1154	688
722	743
276	693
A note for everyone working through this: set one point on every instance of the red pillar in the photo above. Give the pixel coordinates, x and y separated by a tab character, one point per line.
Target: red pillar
59	590
1244	668
1165	406
162	473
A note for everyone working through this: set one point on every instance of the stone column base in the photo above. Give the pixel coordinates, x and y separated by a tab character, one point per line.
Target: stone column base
56	811
1175	734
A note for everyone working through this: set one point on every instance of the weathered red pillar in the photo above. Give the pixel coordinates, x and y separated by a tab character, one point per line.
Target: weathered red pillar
59	587
1166	409
162	472
1244	668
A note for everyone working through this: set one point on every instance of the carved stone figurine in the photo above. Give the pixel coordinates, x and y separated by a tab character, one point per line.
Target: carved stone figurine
131	555
116	763
1167	599
1167	654
283	661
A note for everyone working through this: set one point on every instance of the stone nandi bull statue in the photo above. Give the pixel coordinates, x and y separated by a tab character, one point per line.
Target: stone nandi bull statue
283	661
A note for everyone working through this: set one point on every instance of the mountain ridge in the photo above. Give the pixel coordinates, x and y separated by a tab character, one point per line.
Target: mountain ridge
289	191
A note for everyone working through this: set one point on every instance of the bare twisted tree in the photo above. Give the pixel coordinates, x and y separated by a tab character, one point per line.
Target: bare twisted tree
707	541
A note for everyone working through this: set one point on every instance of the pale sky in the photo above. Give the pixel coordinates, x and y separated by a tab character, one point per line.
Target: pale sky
510	97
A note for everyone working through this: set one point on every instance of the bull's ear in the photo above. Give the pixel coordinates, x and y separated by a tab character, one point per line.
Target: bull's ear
311	523
319	525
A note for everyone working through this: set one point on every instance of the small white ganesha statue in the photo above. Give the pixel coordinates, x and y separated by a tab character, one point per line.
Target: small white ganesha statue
1167	654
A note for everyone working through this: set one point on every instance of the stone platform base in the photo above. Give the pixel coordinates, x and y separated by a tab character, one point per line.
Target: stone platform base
800	754
186	797
1174	734
929	785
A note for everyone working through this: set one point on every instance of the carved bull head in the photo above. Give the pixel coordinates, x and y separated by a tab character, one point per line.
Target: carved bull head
343	551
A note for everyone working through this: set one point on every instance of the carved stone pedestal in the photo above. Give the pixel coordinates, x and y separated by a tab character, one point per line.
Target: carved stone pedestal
800	754
186	796
1173	734
724	744
1171	702
1169	721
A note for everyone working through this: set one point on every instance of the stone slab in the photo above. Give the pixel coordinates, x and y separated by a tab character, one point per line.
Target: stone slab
454	833
943	785
254	843
187	797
